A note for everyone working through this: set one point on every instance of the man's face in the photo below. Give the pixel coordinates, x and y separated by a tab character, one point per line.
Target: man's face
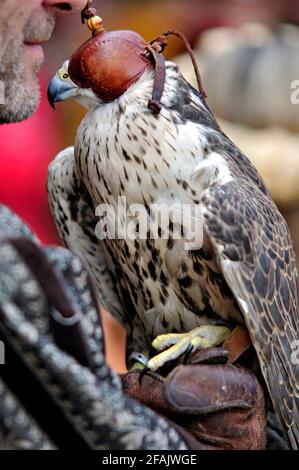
24	27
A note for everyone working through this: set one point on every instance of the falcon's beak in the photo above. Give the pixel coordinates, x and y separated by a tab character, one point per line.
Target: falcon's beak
60	90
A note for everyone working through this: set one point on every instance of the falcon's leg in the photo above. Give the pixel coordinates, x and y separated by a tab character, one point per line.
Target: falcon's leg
174	345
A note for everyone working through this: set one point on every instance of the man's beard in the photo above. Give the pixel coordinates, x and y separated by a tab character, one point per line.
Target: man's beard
21	86
21	97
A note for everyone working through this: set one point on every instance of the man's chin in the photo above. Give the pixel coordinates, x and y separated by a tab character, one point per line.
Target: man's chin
21	101
32	57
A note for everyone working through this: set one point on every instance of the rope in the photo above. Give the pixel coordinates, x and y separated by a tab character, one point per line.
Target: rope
162	41
88	12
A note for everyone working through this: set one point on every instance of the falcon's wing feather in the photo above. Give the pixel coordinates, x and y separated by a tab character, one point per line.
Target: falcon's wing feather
73	213
254	250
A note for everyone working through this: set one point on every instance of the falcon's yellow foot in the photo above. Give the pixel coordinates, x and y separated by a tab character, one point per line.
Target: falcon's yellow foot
203	337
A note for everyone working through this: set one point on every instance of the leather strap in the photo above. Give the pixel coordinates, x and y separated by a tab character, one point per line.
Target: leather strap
154	103
238	343
155	49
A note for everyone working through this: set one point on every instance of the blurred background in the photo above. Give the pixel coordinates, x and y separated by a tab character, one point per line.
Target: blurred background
248	52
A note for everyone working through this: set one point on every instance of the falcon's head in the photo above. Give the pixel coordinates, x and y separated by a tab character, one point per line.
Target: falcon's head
62	88
102	69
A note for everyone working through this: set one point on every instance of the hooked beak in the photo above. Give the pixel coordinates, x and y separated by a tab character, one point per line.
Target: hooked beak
60	90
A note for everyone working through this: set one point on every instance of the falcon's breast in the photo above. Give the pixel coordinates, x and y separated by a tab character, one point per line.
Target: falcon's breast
123	154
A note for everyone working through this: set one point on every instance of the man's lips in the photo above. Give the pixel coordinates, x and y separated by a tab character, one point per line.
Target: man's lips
35	42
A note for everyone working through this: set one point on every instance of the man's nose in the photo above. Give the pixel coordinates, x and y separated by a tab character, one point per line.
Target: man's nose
61	8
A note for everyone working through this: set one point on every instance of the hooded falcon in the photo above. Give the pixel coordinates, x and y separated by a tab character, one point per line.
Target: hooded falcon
150	137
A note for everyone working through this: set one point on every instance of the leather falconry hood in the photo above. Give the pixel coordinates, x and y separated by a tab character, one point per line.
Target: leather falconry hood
111	61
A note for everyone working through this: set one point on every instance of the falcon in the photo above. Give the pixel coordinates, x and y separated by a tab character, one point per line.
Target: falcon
150	137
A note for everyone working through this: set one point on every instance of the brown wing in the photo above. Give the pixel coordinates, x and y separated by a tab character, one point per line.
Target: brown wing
254	250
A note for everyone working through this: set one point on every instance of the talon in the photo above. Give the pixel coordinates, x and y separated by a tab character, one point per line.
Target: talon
187	354
152	351
201	337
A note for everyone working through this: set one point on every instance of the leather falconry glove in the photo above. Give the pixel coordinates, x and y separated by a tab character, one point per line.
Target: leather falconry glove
214	404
